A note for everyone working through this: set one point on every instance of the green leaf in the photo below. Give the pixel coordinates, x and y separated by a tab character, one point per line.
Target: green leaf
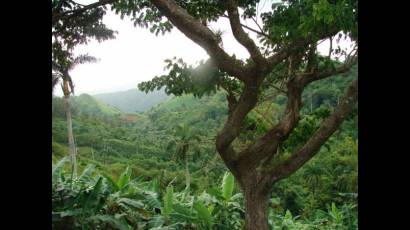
168	199
203	214
183	213
86	175
217	193
152	199
124	178
130	202
227	185
111	182
57	168
93	197
154	185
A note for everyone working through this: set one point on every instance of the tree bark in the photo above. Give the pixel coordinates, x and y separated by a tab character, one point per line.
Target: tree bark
70	135
256	204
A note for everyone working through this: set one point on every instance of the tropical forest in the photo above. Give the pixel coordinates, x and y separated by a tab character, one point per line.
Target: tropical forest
269	141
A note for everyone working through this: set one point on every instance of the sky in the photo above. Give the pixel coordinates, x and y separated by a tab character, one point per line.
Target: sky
137	55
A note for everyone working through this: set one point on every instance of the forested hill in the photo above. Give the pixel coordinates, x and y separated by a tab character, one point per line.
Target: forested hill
145	137
84	104
133	100
149	148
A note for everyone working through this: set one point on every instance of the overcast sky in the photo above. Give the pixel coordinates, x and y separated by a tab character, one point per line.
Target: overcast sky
137	55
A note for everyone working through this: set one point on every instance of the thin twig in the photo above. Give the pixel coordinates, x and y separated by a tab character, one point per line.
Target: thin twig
256	22
249	28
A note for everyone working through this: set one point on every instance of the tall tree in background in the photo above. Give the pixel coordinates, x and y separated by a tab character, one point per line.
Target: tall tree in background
73	24
287	61
67	86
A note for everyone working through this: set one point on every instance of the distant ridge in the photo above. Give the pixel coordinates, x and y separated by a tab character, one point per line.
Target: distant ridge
133	100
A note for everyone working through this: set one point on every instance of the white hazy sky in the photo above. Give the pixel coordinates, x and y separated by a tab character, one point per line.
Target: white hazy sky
137	55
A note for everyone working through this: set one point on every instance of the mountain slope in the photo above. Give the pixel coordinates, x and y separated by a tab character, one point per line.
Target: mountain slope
89	105
84	104
133	100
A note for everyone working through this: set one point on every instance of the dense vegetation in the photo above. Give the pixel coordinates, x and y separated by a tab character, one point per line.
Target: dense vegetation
265	135
151	193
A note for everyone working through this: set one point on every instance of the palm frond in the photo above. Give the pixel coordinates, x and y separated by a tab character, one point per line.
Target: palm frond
82	59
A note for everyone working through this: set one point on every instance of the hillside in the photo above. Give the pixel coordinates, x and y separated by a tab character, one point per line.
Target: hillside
84	104
133	100
144	147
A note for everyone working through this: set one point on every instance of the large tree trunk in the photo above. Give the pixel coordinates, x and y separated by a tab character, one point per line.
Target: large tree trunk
70	135
257	197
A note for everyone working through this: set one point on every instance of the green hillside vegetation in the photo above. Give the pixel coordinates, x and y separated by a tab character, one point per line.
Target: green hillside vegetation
86	105
89	105
321	195
265	142
133	100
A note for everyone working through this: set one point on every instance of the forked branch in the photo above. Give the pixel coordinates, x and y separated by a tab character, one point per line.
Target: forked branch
203	36
240	34
312	146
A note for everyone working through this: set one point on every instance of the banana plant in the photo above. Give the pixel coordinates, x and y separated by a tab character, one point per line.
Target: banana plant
100	202
225	207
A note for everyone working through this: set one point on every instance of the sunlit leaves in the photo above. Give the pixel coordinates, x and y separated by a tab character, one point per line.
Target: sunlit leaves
183	79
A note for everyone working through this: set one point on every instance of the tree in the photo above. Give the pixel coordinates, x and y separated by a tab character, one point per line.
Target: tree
182	144
62	72
288	61
73	24
290	35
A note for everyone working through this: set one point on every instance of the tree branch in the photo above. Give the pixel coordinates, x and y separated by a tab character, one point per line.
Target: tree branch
255	31
312	146
311	66
257	24
58	16
287	50
250	28
240	34
310	77
267	145
230	97
279	89
237	114
203	36
330	46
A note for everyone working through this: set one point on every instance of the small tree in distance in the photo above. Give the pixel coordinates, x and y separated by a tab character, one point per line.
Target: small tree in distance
183	146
